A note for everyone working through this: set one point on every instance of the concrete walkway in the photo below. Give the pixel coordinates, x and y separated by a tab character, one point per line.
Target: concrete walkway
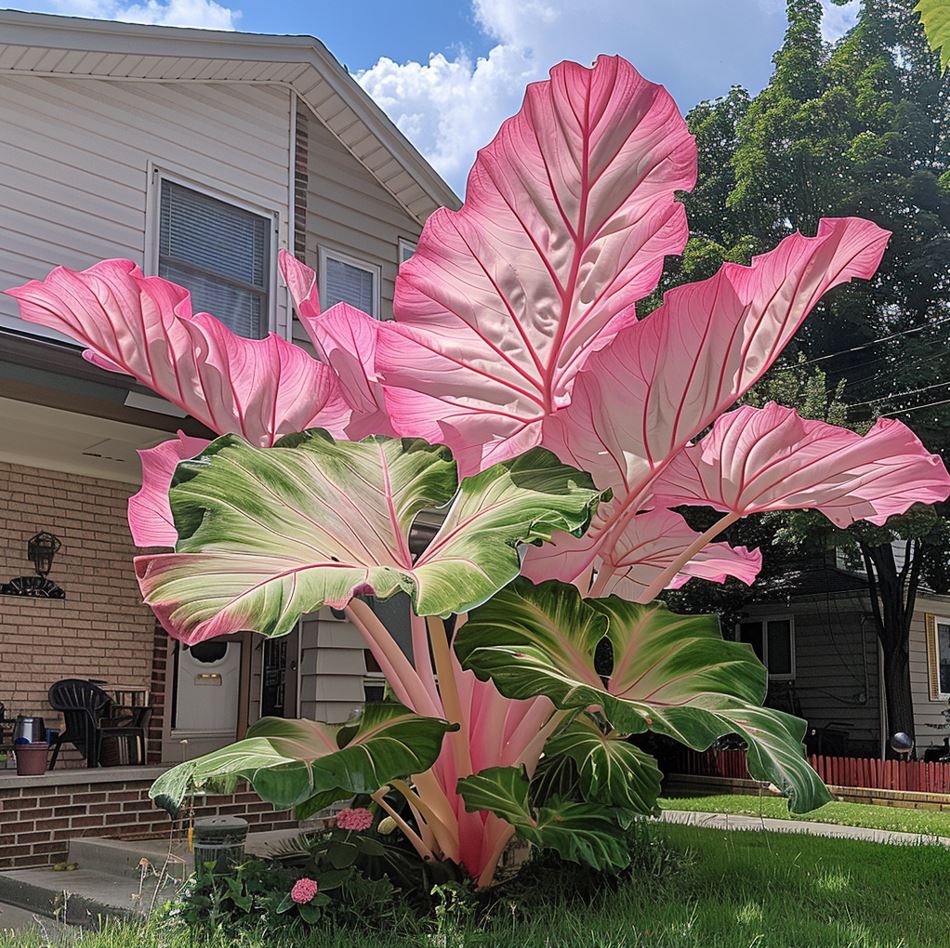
732	821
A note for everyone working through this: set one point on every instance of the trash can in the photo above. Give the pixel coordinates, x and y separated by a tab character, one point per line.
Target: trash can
219	843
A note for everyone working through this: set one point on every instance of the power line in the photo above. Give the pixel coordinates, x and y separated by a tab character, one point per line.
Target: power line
892	369
874	342
904	411
887	398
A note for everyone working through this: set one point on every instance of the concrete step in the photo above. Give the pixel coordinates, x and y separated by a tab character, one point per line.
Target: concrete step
124	857
114	877
81	897
15	920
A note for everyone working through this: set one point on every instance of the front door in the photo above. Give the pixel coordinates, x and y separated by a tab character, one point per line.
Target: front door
279	664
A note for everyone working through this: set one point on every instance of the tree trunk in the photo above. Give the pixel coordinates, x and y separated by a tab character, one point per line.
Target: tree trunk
897	692
893	597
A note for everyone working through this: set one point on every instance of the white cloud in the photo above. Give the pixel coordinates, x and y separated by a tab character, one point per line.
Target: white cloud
836	21
452	104
206	14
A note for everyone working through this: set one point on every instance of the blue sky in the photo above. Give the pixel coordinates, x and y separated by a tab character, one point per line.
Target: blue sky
449	72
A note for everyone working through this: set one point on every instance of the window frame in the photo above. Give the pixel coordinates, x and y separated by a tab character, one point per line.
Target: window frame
326	253
935	637
764	620
403	244
153	224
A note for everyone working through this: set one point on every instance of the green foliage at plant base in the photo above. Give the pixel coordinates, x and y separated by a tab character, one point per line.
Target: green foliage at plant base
782	890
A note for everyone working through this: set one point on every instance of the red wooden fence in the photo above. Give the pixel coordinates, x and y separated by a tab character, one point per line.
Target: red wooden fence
914	775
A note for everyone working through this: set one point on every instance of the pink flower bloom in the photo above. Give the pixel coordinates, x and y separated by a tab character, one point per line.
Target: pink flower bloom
303	891
358	819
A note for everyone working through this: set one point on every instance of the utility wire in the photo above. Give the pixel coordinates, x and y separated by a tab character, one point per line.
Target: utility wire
904	411
887	398
874	342
890	370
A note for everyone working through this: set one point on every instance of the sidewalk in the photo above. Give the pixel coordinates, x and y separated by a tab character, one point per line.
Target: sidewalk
731	821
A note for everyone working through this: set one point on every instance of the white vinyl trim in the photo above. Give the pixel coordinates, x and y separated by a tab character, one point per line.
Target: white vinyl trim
935	632
329	253
406	249
764	621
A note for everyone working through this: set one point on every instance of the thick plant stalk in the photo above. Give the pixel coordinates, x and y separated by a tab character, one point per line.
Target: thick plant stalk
666	577
397	668
421	658
448	686
445	834
500	834
417	844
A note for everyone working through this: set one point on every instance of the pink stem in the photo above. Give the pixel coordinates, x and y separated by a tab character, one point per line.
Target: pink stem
421	658
398	670
666	577
536	718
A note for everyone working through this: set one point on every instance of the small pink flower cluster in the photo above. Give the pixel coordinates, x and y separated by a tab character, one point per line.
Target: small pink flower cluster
303	891
358	819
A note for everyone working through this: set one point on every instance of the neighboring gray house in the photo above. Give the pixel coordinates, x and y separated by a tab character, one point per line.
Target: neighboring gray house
818	639
197	154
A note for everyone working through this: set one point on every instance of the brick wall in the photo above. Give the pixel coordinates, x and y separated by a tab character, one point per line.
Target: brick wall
101	629
38	821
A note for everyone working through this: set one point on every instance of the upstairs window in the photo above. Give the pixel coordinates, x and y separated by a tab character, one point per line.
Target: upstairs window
348	280
220	253
773	641
406	249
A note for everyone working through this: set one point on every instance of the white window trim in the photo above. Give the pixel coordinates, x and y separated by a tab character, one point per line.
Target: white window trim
153	222
939	621
790	619
403	245
374	269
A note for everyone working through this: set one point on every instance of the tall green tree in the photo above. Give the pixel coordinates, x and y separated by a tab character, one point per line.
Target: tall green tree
858	127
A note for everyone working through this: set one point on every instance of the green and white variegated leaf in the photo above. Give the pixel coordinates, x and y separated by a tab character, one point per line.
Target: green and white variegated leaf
531	640
611	769
268	534
935	17
290	761
672	674
581	832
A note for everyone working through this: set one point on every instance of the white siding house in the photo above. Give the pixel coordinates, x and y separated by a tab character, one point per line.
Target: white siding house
198	155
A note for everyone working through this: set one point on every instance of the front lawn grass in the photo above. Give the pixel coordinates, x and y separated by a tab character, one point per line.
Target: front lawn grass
709	889
897	819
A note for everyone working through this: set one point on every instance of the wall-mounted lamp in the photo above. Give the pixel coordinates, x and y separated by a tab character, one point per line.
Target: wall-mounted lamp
40	550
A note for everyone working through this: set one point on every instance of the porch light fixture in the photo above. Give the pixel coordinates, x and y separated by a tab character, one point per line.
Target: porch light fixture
40	550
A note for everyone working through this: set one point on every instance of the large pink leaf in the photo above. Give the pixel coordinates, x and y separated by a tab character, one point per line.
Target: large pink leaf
143	326
664	379
758	459
661	381
345	339
150	517
568	216
649	544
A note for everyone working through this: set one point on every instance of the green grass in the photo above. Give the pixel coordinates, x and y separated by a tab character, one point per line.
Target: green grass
898	819
719	890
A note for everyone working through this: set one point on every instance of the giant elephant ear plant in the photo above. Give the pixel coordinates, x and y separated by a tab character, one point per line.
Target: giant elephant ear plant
519	391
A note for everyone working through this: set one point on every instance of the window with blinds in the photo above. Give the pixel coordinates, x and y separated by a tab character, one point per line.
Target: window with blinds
220	253
347	281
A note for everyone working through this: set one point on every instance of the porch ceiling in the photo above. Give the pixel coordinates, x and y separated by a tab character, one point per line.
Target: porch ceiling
53	439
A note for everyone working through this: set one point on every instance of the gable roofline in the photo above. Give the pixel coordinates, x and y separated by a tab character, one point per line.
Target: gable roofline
75	47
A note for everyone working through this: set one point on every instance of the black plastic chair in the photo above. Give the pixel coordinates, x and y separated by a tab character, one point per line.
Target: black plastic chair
90	716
